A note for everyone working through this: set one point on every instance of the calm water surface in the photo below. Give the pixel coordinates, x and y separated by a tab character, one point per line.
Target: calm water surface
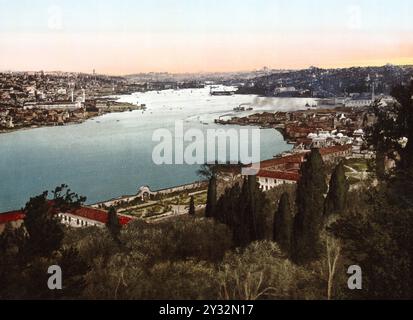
111	155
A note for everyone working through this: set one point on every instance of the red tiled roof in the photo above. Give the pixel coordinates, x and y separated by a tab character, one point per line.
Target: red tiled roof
99	215
282	175
334	149
299	158
85	212
11	216
295	158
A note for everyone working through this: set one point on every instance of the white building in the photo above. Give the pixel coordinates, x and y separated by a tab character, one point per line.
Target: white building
76	221
270	179
354	103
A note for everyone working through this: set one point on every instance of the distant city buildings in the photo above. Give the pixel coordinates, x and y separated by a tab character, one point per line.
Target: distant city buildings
329	83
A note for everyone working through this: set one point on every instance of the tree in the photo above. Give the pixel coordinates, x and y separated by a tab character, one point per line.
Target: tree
66	200
192	206
207	171
243	210
376	234
393	123
113	224
333	252
283	223
404	125
210	209
12	262
337	194
261	271
228	210
392	136
259	208
29	250
250	216
44	231
311	190
75	269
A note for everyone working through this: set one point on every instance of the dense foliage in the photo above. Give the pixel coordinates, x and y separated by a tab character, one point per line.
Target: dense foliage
311	191
241	249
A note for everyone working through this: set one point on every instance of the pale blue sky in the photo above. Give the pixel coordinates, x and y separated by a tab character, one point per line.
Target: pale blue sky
203	16
126	36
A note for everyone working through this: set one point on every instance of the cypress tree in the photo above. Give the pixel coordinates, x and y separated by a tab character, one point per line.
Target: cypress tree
192	206
257	203
337	194
283	223
211	204
228	210
243	210
44	230
308	222
250	218
234	206
240	223
222	209
113	224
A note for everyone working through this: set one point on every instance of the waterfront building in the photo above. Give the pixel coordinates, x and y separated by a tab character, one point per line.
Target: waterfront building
270	179
13	218
286	170
79	218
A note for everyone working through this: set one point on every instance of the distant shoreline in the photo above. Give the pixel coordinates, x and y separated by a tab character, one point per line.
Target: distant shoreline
3	132
69	123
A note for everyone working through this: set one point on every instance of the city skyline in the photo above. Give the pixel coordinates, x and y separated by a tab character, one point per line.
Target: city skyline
202	36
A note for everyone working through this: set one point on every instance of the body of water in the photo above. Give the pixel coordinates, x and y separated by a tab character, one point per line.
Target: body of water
111	155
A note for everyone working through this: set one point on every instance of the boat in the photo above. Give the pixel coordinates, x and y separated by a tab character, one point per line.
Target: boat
308	107
222	93
243	107
216	91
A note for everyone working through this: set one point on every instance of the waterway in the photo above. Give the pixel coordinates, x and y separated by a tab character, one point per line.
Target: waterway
111	155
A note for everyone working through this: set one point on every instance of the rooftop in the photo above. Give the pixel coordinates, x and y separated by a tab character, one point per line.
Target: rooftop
11	216
282	175
85	212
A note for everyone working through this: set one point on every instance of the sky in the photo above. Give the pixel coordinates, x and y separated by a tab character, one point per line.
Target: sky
130	36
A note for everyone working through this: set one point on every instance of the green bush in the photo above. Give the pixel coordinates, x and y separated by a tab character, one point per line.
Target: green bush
262	272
